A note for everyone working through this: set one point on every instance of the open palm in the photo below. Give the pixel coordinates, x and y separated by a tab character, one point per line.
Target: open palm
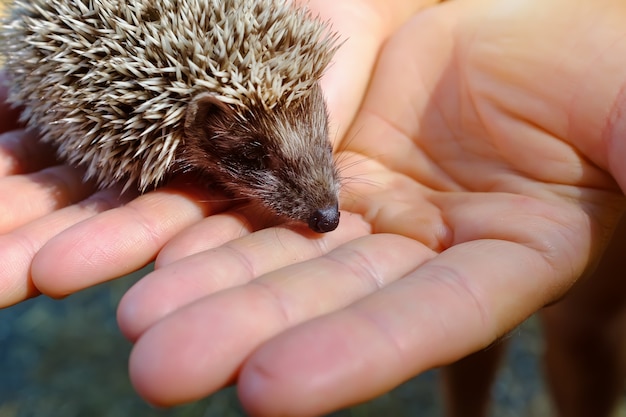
481	180
479	188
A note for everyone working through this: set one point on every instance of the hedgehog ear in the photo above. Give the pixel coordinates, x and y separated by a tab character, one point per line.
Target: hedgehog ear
202	113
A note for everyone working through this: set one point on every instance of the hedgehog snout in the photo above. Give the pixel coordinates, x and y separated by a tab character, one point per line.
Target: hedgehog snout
325	219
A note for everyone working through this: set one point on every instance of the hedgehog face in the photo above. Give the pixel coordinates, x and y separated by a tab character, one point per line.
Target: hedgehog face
280	157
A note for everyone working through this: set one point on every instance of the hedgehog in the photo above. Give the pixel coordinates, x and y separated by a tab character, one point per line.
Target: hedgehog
135	91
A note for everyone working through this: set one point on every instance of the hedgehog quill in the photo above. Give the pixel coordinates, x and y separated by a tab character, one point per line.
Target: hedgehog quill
137	90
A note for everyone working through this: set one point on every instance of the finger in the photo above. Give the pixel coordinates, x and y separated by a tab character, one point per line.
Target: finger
218	332
22	152
28	197
118	241
453	305
206	234
18	248
235	263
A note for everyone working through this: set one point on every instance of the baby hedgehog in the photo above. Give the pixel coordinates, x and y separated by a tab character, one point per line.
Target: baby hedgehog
136	90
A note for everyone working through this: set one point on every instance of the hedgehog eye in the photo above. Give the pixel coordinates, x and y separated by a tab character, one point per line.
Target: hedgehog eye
254	155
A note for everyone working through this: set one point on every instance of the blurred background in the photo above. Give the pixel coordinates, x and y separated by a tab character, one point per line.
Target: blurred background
67	358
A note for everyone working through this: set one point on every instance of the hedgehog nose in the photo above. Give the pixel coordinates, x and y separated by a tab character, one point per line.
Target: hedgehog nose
324	220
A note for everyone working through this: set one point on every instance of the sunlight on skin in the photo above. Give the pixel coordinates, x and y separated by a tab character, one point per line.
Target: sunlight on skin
363	26
408	327
243	317
18	248
129	237
506	224
481	160
232	264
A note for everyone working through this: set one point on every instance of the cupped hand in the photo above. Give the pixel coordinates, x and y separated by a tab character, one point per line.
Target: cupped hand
53	225
482	176
59	235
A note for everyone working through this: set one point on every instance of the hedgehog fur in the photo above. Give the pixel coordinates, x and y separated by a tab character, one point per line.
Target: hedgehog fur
109	82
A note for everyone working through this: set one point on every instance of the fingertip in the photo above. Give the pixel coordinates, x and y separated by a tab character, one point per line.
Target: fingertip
146	302
131	313
145	373
54	270
261	389
87	253
171	362
175	286
156	364
123	236
252	392
296	374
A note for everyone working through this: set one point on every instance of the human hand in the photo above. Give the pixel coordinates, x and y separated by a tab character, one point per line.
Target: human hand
44	202
488	148
61	235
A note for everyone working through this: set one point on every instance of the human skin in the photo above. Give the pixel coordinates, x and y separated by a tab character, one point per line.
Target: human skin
489	161
483	178
64	235
585	341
